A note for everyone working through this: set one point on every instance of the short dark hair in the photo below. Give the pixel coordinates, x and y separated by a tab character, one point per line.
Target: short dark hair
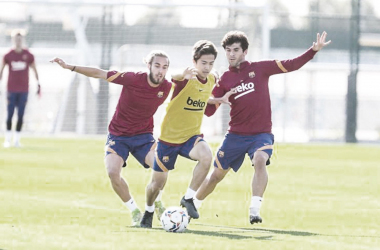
149	58
204	47
235	36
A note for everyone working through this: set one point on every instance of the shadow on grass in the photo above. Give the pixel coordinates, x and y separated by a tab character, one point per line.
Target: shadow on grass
275	231
228	235
232	235
287	232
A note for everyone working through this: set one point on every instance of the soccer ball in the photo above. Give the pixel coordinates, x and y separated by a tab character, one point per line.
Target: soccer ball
174	220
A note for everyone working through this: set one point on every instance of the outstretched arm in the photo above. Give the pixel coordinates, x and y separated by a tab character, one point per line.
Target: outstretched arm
283	66
188	73
87	71
223	99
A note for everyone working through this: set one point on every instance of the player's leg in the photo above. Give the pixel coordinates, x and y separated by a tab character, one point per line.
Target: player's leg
196	149
201	152
261	151
114	165
229	156
159	207
21	104
209	185
164	161
10	111
152	190
116	154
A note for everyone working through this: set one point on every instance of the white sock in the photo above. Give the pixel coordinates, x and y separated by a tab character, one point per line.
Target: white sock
189	194
8	136
150	209
255	206
17	138
159	196
197	203
131	204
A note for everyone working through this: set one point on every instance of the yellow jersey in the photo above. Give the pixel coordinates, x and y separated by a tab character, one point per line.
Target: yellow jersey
184	114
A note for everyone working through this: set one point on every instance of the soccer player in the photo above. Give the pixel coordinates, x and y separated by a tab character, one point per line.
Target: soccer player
131	127
180	129
19	60
250	130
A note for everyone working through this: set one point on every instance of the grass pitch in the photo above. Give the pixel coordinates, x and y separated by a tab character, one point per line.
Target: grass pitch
55	194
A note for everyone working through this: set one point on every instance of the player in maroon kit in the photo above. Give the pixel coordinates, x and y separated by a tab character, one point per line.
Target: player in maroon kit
250	130
19	60
131	127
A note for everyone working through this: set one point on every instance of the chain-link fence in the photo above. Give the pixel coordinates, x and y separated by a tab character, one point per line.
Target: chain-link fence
307	105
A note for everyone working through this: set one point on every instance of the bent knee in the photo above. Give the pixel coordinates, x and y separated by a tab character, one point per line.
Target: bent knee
206	159
260	160
113	175
215	178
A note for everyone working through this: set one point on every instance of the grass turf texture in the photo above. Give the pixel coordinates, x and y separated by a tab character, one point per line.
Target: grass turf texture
55	194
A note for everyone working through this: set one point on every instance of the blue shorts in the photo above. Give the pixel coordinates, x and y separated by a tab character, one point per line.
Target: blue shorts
138	145
232	152
166	155
19	100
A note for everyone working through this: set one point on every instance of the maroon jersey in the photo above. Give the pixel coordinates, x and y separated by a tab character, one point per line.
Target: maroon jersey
250	106
18	64
137	103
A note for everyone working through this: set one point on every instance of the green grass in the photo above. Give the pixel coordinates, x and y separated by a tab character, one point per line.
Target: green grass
55	194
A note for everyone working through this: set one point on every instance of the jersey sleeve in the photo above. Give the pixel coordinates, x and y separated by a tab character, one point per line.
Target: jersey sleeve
122	78
31	58
277	67
6	59
218	91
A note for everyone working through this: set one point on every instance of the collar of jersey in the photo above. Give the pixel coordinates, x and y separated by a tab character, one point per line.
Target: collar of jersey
243	65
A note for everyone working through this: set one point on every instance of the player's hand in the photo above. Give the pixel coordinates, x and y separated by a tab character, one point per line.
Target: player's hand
227	96
189	73
321	42
60	62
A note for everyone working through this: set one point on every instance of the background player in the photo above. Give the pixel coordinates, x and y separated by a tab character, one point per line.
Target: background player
250	130
131	127
180	129
19	60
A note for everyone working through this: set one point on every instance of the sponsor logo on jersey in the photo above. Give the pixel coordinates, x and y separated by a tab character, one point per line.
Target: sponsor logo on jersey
221	154
165	159
244	88
200	90
251	74
160	94
196	105
18	65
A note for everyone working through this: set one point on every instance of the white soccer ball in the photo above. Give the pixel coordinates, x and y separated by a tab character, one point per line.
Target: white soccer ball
174	220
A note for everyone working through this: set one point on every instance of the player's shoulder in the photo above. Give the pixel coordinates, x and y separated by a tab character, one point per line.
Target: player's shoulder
9	53
167	85
26	51
138	75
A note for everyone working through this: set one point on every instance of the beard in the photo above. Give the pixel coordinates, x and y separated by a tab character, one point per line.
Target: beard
154	81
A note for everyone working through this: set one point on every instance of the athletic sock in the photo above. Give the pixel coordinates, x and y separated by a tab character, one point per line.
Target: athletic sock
197	203
189	194
254	208
8	136
17	138
150	209
131	204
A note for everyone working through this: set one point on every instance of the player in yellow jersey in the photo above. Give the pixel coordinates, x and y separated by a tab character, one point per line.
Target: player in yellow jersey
180	130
